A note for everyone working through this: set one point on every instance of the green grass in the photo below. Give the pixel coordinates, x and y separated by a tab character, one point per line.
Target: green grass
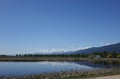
12	58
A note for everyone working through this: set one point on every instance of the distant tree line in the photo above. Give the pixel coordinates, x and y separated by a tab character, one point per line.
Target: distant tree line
53	55
104	54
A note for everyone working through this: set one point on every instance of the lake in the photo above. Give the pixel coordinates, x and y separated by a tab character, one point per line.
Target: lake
23	68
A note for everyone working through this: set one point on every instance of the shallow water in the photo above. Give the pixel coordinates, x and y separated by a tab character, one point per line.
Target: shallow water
23	68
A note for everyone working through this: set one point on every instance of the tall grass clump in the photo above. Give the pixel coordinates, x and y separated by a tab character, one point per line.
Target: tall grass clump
69	74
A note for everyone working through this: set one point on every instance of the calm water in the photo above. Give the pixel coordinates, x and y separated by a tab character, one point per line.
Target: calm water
22	68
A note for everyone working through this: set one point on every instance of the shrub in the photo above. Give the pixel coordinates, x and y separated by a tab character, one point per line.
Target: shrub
118	56
109	55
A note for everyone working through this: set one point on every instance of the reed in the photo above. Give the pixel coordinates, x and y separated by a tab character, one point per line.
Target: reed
68	74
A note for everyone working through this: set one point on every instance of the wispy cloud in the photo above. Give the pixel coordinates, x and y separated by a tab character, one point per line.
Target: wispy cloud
53	50
104	44
110	43
81	48
45	51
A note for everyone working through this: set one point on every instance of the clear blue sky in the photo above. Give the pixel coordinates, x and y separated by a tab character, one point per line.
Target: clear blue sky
31	25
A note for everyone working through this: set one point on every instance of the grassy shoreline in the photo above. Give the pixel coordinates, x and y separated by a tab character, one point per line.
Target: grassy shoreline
12	58
69	74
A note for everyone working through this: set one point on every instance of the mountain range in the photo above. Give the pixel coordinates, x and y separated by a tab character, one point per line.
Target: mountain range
108	48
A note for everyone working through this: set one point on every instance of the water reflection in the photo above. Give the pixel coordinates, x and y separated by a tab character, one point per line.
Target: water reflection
22	68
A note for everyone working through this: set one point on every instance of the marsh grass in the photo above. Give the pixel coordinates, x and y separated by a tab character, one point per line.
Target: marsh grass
69	74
